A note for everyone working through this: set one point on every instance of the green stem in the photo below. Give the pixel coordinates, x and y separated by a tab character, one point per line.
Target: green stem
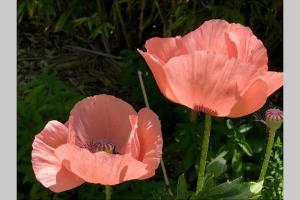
161	160
107	192
204	150
267	154
193	116
162	164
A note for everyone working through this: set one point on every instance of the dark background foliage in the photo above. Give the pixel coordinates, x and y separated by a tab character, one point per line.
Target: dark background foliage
68	50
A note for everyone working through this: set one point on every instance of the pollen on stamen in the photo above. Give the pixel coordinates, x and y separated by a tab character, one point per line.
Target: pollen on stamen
201	108
100	145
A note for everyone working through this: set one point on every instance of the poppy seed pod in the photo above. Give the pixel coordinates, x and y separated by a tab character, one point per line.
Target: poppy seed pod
274	118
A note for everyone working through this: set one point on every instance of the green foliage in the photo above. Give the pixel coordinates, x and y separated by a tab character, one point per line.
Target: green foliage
273	188
40	100
182	189
232	190
228	190
235	189
217	166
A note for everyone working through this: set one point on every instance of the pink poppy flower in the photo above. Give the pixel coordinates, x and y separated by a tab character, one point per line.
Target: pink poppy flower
220	68
104	142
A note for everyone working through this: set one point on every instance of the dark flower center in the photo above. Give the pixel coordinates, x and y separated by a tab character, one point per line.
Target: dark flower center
100	145
201	108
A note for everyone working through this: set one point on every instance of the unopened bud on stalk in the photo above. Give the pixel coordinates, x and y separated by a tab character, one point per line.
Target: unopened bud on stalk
274	118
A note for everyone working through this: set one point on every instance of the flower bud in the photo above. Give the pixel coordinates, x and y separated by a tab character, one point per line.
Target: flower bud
274	118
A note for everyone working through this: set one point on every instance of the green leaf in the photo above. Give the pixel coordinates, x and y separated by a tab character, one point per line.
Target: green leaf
80	21
21	11
233	190
245	128
182	191
218	190
61	21
246	148
98	30
209	181
31	6
241	140
217	166
229	124
236	161
246	190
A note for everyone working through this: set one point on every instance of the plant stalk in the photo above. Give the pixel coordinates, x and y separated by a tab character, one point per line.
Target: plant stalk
267	155
107	192
161	160
193	116
204	150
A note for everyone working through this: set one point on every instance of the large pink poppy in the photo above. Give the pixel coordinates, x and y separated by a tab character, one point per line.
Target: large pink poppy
220	68
104	142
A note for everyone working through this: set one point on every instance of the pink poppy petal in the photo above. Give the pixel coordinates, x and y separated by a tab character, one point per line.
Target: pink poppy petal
156	66
100	167
208	37
207	82
66	180
133	144
251	100
165	48
249	48
47	168
102	117
54	134
151	141
274	81
231	46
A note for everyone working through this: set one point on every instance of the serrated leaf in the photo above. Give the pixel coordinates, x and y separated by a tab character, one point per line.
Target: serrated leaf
217	166
182	191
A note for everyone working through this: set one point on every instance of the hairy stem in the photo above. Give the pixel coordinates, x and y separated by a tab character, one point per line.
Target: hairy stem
204	150
267	155
107	192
